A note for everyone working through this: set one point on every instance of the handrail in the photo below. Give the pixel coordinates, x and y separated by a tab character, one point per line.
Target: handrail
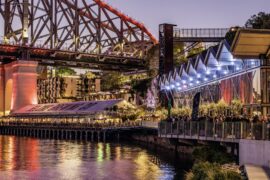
215	130
201	32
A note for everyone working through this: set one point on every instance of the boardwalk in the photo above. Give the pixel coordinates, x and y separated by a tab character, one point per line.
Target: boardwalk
211	131
71	131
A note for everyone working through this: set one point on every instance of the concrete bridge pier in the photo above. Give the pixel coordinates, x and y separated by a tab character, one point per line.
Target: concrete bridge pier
18	85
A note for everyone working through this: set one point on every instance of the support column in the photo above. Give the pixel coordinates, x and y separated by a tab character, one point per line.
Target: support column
24	91
2	88
92	136
104	136
98	136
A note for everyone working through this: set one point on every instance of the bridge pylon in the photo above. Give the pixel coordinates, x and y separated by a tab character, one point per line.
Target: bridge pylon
18	85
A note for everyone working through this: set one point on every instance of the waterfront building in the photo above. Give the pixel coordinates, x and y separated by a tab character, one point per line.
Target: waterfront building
231	70
75	112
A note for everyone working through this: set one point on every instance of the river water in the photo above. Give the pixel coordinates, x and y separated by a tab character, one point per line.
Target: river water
27	158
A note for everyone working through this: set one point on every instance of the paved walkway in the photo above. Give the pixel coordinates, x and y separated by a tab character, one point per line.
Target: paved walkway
257	172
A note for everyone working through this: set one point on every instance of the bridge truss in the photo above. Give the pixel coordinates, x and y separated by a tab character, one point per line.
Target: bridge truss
77	29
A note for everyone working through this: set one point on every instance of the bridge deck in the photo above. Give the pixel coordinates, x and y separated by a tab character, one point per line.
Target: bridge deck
200	34
56	57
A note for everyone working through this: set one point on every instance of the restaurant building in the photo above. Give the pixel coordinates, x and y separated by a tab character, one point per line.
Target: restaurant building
238	70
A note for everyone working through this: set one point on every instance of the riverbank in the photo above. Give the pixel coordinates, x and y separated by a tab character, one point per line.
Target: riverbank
207	161
164	143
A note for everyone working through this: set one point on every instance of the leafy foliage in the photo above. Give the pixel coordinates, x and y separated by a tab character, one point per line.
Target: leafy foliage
212	154
113	81
141	86
179	112
236	106
209	171
65	71
90	75
259	21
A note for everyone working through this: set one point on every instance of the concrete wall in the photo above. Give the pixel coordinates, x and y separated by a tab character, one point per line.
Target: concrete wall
254	152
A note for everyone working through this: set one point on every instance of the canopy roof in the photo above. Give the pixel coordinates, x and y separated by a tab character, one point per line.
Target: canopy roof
212	65
74	108
251	43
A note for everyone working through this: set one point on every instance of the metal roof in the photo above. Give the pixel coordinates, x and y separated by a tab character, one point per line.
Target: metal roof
251	43
74	108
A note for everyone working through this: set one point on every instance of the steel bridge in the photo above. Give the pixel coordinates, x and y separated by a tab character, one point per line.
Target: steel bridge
81	33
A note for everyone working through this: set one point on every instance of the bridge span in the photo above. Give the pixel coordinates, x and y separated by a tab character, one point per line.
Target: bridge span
86	34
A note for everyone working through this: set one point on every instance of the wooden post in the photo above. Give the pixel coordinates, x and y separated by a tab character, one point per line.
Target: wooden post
92	136
98	136
104	136
205	129
263	131
233	130
118	136
190	128
241	130
81	137
223	130
251	131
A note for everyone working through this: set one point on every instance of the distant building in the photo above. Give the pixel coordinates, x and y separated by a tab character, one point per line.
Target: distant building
66	89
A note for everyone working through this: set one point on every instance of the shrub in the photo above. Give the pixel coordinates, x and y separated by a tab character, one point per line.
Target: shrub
213	154
210	171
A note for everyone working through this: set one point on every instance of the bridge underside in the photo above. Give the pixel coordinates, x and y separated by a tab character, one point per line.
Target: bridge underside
18	85
83	33
9	53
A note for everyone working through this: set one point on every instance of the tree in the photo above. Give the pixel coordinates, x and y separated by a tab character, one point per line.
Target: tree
65	71
236	106
113	81
141	86
259	21
90	75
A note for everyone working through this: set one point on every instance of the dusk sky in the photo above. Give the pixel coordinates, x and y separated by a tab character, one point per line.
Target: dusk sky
191	13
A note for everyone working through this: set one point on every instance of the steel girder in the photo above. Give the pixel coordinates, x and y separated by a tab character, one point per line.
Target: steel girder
87	26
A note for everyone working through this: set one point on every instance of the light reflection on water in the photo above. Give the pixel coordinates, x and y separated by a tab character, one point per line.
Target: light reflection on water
27	158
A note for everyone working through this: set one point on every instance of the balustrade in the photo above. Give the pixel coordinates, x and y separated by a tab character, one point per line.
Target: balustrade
216	130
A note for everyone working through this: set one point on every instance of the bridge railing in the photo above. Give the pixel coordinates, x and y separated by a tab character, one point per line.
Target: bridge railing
215	130
201	32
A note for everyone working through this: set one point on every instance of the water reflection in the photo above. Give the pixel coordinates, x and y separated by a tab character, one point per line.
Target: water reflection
26	158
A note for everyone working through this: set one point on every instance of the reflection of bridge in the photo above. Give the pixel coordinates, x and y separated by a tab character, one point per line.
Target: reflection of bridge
76	33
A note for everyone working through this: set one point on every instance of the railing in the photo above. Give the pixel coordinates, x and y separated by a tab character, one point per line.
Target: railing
223	131
130	124
149	124
200	33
